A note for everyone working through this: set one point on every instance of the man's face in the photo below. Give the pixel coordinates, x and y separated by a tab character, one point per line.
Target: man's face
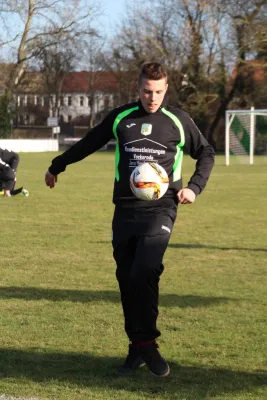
152	93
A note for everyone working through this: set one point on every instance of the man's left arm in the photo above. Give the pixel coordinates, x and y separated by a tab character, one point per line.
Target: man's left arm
199	149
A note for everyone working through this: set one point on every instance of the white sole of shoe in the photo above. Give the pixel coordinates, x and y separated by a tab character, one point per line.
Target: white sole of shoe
162	376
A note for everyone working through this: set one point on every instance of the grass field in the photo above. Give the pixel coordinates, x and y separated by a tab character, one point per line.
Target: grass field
61	325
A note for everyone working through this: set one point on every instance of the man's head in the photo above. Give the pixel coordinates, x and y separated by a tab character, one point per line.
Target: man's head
152	86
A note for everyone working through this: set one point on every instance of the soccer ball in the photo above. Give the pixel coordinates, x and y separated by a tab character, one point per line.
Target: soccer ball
149	181
25	192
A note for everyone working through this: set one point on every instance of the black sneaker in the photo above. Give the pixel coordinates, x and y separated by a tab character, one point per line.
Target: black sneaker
14	192
133	361
155	362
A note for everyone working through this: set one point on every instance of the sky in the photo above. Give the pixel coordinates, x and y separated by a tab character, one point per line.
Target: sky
114	10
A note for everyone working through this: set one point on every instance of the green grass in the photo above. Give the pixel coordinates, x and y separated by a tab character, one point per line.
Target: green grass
61	325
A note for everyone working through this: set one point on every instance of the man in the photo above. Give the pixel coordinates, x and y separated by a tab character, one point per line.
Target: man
141	229
9	161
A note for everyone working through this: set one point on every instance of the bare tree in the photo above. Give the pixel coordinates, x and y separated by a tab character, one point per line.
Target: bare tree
54	64
180	34
200	42
93	60
242	17
144	34
46	23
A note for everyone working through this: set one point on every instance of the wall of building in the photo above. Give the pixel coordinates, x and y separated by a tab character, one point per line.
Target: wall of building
30	145
70	107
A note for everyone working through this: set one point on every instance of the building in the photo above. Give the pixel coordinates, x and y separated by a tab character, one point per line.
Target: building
79	98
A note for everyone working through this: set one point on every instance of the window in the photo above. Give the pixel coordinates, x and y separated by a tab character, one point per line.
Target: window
81	101
116	100
69	118
69	101
61	100
97	103
106	102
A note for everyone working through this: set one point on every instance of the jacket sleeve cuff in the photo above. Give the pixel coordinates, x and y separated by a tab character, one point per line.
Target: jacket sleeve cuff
52	170
57	166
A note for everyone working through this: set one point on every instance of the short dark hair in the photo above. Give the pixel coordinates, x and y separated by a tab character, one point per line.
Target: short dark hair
153	71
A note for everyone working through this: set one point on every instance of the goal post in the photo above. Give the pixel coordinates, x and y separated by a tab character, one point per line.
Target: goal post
245	135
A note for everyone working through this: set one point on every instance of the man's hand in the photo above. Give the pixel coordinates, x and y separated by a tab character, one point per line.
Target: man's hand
50	179
186	196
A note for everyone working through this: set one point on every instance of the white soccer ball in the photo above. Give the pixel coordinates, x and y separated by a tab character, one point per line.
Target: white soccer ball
25	192
149	181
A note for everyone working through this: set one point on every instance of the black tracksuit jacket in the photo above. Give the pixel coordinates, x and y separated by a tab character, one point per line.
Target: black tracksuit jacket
140	136
9	161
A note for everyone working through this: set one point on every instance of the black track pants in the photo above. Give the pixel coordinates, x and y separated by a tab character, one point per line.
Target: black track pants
140	239
7	178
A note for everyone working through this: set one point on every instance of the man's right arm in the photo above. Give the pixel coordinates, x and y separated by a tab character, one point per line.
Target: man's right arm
96	138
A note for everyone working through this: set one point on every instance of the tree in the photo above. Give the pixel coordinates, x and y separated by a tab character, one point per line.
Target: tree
47	23
5	117
54	64
143	35
242	16
199	42
93	60
180	34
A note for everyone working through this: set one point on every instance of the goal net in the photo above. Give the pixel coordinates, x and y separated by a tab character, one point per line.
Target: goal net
246	136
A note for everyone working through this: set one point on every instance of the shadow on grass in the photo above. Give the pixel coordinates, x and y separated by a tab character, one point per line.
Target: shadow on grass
84	296
89	371
199	246
204	246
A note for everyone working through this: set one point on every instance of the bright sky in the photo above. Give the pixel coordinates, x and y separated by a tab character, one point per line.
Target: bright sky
114	11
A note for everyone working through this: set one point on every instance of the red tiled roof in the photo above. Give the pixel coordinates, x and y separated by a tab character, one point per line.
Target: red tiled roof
85	81
79	82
